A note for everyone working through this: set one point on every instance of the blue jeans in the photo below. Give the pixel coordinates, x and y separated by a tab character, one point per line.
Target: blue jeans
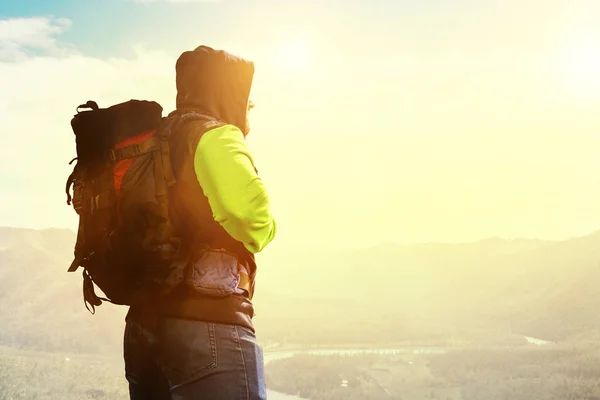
178	359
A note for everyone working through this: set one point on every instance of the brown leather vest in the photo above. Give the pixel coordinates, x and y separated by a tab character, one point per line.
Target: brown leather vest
192	217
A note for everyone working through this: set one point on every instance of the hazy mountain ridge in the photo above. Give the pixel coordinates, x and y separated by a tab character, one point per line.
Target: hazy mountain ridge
531	287
42	304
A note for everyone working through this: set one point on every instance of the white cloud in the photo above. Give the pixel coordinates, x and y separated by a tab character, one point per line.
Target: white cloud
20	37
41	85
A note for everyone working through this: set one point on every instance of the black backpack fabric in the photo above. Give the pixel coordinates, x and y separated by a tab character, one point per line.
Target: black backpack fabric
125	240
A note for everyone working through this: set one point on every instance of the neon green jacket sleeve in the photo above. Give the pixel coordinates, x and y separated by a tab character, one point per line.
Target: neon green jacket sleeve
236	194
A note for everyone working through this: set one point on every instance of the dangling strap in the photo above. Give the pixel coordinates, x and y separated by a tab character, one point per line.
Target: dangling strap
70	181
89	295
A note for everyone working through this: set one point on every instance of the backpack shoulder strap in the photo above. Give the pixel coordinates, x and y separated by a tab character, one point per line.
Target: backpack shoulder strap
179	120
172	124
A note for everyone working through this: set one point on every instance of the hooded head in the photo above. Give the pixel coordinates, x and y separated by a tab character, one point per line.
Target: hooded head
215	82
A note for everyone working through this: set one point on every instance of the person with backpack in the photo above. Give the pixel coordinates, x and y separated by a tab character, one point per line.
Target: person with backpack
172	212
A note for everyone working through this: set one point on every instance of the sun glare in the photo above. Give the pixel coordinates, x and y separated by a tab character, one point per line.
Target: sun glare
294	55
582	66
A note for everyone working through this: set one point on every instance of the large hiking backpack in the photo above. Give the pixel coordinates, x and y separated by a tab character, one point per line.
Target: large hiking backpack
125	240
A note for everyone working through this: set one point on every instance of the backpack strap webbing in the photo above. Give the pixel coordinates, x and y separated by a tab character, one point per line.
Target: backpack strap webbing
166	159
152	144
161	184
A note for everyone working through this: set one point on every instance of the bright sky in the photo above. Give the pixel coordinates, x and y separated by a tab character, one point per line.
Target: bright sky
375	121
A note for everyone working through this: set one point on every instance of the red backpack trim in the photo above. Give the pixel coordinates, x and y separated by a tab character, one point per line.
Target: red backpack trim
122	166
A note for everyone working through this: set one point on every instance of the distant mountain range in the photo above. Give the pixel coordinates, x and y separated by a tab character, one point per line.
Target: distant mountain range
41	303
530	287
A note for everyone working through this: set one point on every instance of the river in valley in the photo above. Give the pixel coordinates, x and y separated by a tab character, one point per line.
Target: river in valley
277	355
272	356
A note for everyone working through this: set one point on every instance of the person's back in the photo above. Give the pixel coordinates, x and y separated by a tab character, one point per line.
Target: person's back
198	341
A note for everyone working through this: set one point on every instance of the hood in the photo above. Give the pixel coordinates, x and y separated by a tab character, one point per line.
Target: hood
214	82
